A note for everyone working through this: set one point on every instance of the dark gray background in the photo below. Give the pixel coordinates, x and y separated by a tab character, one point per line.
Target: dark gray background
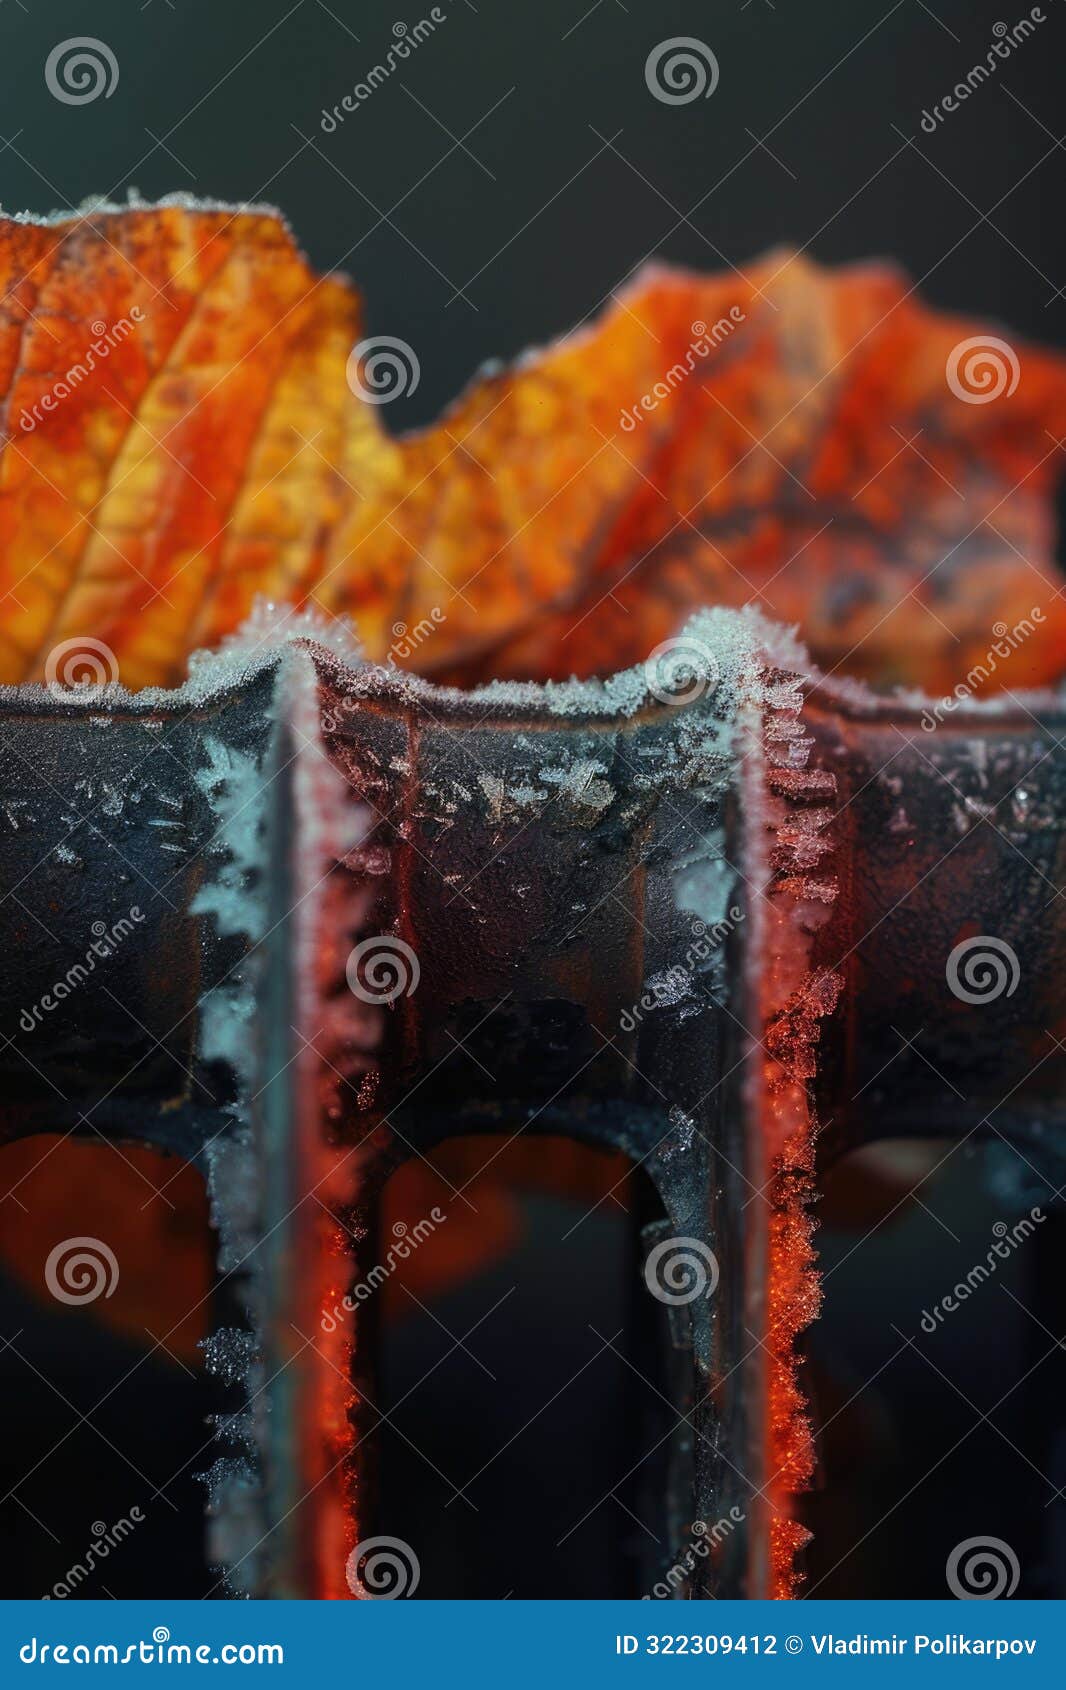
578	174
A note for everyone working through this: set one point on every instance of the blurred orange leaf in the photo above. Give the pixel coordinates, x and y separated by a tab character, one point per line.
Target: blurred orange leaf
180	435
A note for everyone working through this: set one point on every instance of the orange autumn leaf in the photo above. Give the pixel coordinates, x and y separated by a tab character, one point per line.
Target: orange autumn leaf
149	1211
792	438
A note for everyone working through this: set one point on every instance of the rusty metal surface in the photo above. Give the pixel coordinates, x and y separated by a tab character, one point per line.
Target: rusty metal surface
526	854
951	926
538	857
